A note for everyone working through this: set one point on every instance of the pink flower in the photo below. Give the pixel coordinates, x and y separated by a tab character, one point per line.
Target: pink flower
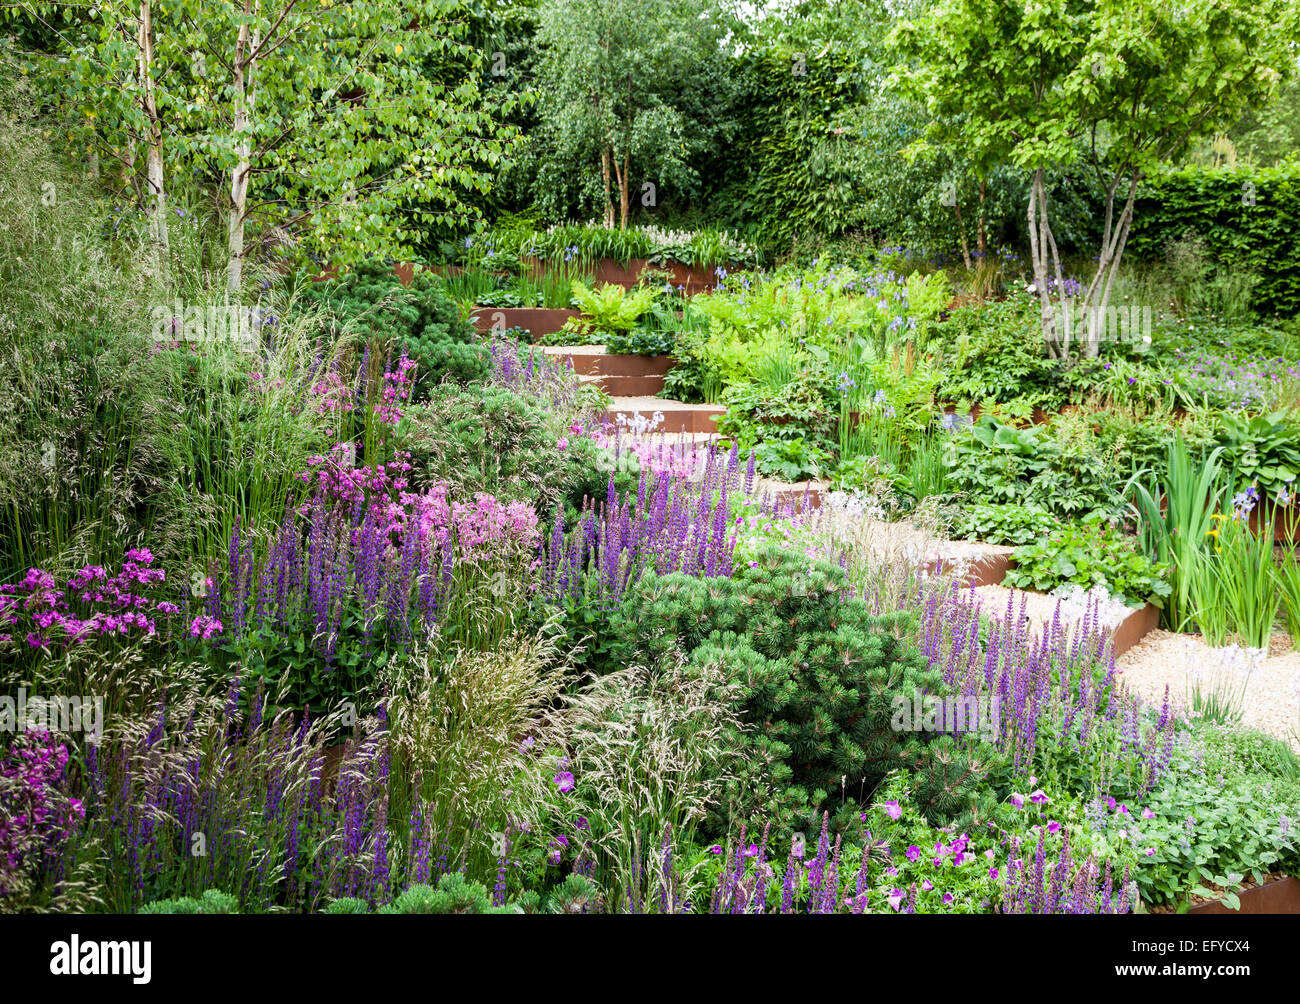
893	810
564	781
204	627
562	443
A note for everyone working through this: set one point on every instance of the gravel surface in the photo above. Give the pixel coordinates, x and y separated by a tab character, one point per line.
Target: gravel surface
1270	704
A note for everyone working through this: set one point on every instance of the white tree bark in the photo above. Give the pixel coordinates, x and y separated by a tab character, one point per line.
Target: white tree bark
156	192
245	66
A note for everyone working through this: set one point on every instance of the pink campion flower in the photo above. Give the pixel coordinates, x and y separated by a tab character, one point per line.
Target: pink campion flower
205	627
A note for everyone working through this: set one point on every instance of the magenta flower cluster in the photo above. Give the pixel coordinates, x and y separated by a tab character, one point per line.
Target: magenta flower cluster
94	604
395	391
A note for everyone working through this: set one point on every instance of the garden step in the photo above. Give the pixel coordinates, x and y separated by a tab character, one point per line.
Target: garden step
594	359
677	417
617	375
537	320
631	386
616	386
800	496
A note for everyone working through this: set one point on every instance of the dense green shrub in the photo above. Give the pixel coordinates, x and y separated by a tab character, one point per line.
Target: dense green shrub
1248	217
1004	524
819	673
1091	554
998	354
1059	468
420	319
1216	819
454	894
490	439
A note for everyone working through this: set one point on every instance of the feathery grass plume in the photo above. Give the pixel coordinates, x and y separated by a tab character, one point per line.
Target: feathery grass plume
473	747
651	752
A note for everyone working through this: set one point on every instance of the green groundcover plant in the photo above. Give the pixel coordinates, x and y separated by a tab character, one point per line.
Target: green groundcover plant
1093	553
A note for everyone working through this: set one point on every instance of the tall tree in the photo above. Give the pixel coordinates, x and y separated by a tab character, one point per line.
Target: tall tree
611	85
1119	85
354	126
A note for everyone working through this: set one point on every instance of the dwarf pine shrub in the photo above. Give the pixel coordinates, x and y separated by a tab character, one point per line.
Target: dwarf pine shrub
819	673
420	320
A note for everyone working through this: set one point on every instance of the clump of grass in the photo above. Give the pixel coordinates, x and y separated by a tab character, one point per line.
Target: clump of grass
652	751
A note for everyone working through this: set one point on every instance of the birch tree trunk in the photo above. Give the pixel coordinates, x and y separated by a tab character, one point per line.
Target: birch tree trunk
156	201
623	182
245	65
609	197
1114	238
1038	249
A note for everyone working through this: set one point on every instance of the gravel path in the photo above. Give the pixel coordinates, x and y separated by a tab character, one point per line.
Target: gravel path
1270	704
